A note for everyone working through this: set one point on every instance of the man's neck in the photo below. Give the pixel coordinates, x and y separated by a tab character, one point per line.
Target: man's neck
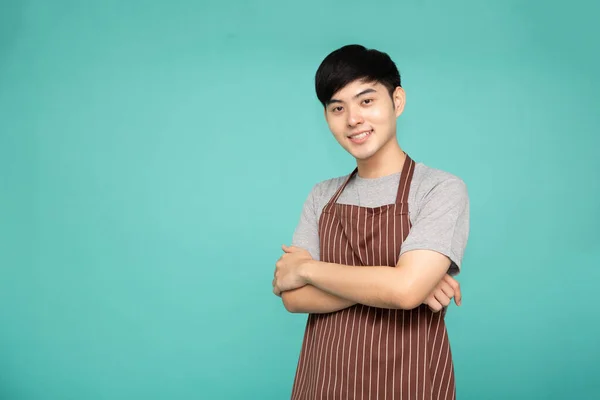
387	161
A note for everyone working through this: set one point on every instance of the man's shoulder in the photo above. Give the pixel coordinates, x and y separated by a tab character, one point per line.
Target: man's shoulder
427	178
435	175
327	187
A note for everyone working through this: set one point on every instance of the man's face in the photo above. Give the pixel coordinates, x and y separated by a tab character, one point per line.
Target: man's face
362	117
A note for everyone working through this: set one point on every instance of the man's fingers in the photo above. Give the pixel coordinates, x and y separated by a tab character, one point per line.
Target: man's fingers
290	249
456	287
447	289
451	281
442	298
457	295
434	305
276	290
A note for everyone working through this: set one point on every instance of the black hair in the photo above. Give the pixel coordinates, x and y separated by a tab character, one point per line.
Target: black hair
353	62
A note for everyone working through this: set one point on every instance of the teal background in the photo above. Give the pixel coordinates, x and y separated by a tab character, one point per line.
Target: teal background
155	155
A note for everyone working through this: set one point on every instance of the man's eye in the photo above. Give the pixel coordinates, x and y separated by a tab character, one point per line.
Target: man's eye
367	101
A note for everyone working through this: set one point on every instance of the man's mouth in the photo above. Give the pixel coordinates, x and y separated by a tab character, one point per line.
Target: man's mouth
360	136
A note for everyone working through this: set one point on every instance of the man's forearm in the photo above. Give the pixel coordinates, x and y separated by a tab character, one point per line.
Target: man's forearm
402	287
309	299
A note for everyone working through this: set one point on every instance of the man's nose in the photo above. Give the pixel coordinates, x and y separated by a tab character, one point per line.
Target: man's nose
354	117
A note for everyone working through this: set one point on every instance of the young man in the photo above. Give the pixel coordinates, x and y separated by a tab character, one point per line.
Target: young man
373	256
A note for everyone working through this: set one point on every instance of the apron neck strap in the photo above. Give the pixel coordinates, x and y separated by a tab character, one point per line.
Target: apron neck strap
403	187
405	179
337	194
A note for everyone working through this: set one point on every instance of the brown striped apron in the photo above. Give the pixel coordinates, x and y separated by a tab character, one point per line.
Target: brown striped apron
365	352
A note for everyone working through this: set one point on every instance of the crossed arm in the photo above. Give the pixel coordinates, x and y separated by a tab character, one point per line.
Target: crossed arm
420	277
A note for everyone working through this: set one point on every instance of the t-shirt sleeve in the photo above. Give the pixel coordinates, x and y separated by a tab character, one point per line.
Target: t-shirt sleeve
442	222
306	234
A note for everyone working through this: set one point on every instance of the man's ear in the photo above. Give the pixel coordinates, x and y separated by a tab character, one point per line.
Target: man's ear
399	97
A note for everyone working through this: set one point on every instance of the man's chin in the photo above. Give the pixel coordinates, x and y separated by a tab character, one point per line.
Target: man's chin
362	155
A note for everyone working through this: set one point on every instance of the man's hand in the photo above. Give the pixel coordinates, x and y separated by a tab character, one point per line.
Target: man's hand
288	269
441	296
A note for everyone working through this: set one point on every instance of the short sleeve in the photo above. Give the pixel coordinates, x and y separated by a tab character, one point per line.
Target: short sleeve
441	223
306	234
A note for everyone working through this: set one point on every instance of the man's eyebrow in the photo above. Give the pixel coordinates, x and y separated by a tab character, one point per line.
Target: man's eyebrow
366	91
332	101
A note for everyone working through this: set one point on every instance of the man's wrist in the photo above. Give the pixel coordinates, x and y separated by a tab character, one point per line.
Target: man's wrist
306	270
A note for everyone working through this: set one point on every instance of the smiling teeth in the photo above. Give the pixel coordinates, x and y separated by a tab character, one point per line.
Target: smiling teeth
361	136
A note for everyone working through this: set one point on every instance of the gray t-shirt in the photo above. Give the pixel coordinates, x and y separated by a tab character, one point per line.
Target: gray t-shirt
438	206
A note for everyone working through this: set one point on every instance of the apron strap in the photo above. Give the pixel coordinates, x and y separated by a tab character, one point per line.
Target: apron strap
405	179
403	187
338	193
